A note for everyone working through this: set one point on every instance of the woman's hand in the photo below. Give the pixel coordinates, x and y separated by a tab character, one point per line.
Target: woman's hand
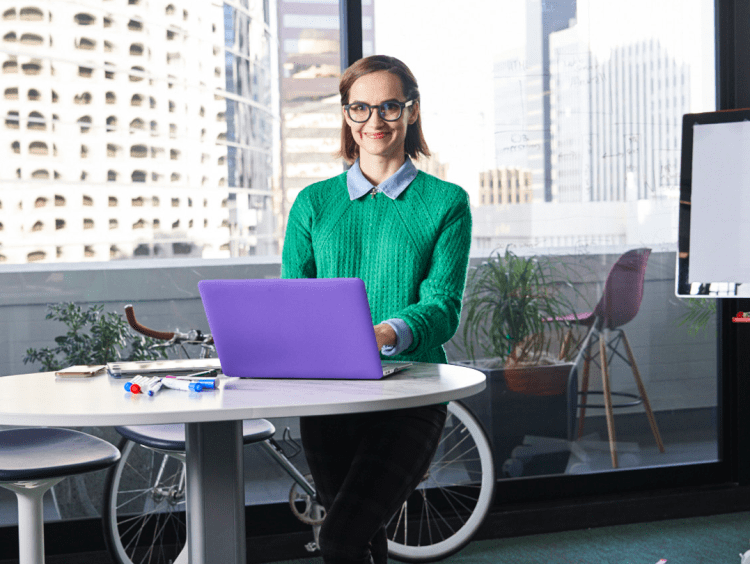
385	335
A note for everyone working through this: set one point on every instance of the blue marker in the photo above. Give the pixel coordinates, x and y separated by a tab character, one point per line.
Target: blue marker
209	384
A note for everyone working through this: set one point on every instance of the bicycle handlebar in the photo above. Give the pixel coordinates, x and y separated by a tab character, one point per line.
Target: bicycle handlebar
162	335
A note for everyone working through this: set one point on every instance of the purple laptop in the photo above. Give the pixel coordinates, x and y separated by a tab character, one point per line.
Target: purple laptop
293	328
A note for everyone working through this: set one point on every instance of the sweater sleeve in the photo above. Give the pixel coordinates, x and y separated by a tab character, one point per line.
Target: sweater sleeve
297	257
434	318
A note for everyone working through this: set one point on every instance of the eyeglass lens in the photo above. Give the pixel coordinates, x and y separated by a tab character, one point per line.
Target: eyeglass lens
389	111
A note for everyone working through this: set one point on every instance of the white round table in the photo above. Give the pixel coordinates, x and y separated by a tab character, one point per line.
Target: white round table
215	488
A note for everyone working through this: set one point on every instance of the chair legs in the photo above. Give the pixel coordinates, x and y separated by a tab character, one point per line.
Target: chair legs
604	338
643	394
607	396
31	517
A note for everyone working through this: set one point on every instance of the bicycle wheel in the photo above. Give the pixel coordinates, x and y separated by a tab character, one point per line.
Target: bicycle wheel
449	505
144	506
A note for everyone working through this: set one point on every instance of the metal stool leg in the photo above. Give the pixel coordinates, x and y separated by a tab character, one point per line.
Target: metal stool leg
603	339
643	394
31	517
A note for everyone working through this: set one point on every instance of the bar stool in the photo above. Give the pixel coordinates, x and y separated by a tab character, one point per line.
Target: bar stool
32	460
170	438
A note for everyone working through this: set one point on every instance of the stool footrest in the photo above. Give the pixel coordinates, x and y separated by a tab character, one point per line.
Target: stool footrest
638	400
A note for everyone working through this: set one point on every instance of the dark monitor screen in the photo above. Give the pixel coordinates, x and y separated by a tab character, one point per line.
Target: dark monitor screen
713	247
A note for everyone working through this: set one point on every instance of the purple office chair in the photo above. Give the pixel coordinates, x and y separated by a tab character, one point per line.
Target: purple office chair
619	304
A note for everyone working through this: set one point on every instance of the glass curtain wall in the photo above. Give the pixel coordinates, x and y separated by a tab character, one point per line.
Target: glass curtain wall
562	120
136	129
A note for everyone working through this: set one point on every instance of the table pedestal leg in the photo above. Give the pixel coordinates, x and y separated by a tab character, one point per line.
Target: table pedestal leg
215	493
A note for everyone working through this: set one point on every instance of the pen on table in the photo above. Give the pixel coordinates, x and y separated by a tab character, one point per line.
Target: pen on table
176	384
205	374
209	383
141	385
132	382
154	386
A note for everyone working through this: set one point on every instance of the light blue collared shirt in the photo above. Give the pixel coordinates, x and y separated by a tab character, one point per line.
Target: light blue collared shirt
392	187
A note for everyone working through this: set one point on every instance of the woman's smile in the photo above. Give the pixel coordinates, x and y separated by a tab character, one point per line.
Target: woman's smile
377	135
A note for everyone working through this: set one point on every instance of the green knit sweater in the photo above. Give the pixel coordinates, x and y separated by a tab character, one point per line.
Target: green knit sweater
412	252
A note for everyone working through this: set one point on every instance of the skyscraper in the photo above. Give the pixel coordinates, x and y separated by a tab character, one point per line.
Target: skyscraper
115	135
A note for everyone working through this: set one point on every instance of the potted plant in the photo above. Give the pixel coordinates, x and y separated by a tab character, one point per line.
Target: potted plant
511	331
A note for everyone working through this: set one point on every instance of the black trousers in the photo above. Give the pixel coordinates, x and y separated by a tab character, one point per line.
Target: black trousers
364	467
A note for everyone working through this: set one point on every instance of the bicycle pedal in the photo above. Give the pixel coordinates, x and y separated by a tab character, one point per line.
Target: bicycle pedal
311	547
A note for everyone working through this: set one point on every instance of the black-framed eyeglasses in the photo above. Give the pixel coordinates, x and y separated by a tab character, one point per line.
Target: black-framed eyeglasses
388	111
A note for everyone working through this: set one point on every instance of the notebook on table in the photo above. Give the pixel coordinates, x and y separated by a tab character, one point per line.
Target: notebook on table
294	328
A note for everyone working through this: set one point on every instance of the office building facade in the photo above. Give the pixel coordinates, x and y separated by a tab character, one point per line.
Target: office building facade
116	134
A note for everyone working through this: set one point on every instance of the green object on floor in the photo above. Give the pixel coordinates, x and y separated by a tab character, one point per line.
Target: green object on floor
718	539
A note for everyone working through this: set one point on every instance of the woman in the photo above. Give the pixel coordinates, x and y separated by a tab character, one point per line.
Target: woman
407	235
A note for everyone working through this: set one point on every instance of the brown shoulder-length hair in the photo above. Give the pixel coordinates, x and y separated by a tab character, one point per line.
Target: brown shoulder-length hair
414	144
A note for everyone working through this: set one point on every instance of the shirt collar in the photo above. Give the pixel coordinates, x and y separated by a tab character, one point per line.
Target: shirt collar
392	187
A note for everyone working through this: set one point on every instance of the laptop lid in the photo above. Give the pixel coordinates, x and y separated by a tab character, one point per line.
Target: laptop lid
292	328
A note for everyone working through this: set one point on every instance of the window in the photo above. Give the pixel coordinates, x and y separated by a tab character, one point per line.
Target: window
31	14
36	121
563	128
85	123
31	39
136	74
135	25
11	94
139	151
111	98
136	100
86	44
38	148
34	95
32	68
15	146
10	66
83	98
84	19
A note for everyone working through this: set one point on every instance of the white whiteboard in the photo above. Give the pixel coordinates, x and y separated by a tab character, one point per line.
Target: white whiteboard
720	203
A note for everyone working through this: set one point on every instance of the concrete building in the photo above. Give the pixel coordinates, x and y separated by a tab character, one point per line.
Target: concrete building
115	134
522	93
505	186
616	124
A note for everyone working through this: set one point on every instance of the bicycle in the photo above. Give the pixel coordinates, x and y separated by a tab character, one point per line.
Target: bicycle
144	501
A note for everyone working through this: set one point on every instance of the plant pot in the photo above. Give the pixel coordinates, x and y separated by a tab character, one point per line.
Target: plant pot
509	416
537	380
